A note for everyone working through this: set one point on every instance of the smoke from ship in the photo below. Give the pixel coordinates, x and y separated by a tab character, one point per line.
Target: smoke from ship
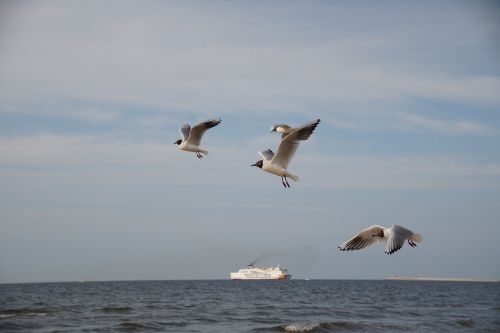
302	257
267	255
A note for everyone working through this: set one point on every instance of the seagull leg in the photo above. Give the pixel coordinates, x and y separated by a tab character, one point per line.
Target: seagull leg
283	182
286	181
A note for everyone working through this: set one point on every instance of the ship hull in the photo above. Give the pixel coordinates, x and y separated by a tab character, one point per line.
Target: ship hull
288	277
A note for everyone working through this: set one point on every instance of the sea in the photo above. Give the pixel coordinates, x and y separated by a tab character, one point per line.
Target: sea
251	306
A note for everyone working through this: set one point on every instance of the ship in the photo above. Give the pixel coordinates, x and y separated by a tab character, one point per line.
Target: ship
260	273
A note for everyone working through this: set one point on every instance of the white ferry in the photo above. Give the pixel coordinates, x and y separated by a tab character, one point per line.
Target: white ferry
258	273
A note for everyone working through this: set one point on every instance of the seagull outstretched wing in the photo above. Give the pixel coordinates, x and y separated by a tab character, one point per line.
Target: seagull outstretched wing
364	238
288	145
197	131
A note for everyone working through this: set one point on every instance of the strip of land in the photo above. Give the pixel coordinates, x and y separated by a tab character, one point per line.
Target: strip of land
412	278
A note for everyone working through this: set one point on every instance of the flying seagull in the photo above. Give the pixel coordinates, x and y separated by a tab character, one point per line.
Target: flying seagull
284	129
191	137
278	163
394	238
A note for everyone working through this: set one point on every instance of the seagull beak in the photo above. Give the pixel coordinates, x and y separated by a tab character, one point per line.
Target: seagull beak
255	164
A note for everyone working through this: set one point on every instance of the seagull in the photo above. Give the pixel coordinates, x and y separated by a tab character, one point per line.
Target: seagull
284	129
277	163
394	238
191	137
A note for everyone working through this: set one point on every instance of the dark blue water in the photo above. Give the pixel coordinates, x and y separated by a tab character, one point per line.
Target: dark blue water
251	306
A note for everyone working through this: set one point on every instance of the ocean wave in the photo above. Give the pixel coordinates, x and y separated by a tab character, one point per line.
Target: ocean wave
465	322
313	327
176	323
444	325
8	313
18	326
6	316
344	326
132	326
117	309
304	327
206	320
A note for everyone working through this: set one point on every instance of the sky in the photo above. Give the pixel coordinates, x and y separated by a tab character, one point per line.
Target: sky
92	95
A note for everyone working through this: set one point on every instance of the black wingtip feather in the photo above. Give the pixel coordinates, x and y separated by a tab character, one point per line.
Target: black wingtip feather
212	123
307	131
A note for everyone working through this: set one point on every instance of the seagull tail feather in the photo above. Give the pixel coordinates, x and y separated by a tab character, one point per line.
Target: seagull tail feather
293	177
416	238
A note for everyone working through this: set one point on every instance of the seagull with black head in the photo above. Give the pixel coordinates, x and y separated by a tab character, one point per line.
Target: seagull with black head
277	164
191	137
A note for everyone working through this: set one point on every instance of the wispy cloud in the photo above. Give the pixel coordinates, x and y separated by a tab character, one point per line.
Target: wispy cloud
413	121
398	172
154	121
90	155
224	70
408	122
53	110
93	115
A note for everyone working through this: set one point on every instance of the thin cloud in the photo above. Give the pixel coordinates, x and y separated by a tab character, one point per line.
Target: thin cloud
381	121
89	155
155	121
205	71
449	127
398	172
93	115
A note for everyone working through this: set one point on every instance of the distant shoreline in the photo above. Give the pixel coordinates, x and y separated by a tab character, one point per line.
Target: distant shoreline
411	278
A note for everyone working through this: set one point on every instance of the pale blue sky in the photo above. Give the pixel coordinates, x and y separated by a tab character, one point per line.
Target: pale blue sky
92	95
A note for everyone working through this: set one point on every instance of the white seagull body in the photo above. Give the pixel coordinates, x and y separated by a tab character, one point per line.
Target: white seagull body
277	164
394	238
191	137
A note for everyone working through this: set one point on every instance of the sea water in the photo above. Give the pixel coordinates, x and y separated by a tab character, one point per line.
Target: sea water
251	306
